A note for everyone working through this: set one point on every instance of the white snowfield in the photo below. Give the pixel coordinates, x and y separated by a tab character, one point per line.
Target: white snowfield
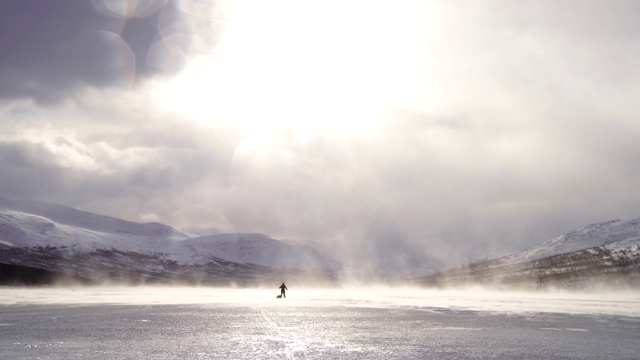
614	235
35	224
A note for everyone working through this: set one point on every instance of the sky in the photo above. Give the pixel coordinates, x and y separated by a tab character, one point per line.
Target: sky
402	135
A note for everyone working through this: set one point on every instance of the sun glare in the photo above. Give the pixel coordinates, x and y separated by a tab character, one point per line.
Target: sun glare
327	66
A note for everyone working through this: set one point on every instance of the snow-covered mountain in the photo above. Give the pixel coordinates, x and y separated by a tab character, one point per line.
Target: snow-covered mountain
602	253
85	220
63	233
614	234
261	250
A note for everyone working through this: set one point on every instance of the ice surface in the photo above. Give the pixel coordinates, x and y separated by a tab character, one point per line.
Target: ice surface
207	323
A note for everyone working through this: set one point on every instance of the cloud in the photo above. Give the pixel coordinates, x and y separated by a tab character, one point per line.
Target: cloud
51	49
469	128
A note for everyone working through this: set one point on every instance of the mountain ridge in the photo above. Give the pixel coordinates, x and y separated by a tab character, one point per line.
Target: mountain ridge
593	235
600	254
59	233
70	216
64	240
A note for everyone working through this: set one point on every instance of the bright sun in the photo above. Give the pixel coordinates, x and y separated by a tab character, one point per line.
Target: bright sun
331	66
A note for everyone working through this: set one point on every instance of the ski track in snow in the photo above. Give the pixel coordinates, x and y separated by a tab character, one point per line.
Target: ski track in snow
290	340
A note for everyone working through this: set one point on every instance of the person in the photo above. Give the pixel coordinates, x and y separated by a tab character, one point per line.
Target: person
283	287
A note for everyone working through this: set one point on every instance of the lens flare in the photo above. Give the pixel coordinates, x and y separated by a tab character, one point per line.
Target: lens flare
128	8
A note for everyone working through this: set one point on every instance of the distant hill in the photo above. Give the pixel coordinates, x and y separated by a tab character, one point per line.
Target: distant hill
602	254
65	215
43	236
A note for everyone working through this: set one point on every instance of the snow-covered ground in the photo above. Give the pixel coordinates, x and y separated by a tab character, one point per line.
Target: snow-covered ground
626	303
382	323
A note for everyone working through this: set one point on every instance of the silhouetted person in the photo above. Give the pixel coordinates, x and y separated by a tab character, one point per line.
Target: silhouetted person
283	287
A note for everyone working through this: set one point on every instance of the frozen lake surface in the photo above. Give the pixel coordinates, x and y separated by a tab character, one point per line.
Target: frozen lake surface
206	323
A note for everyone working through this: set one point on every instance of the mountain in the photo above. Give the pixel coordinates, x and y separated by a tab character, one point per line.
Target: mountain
200	231
621	233
84	245
85	220
605	253
261	250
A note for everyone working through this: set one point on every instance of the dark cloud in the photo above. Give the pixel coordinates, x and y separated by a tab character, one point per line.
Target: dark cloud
127	181
28	173
52	48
